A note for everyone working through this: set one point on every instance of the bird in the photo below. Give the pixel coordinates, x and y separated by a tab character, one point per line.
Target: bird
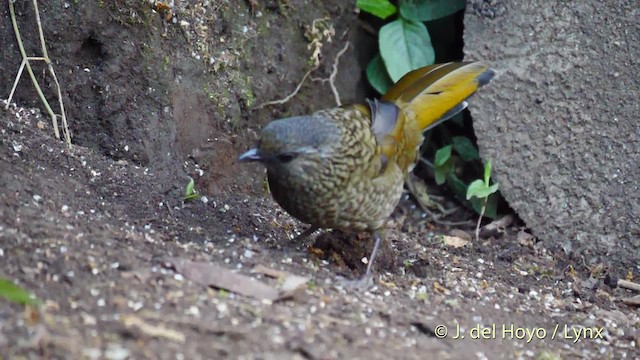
344	168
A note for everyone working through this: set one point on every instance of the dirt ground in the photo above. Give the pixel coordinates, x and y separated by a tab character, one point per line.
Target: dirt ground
90	236
91	230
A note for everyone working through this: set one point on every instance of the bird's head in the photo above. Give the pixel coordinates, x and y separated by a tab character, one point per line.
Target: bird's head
295	146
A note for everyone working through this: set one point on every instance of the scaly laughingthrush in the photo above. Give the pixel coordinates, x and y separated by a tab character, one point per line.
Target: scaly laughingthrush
344	168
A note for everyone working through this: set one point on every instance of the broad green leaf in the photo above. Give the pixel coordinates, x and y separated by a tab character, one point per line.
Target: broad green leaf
378	76
380	8
493	188
15	293
482	192
405	45
443	164
475	188
456	185
487	172
426	10
441	173
442	155
465	148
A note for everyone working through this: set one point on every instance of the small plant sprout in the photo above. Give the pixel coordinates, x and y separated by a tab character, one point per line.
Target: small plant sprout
16	294
481	189
190	191
443	164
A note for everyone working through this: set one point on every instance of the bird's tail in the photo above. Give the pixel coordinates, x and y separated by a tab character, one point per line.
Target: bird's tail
435	93
420	100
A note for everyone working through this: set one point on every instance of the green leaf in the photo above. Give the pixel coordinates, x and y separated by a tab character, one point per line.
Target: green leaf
190	191
443	155
443	164
475	188
190	197
426	10
378	75
380	8
16	294
458	186
482	192
491	206
465	148
441	173
493	188
487	172
491	210
405	45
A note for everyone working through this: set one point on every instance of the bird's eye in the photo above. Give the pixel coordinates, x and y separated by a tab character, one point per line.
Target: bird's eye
286	157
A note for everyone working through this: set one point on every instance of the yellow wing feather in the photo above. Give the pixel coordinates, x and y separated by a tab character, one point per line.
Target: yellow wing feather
431	91
425	96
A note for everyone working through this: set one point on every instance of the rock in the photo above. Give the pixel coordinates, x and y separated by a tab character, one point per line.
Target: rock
560	120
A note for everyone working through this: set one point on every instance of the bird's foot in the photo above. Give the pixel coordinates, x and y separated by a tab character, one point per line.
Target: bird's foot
366	281
362	284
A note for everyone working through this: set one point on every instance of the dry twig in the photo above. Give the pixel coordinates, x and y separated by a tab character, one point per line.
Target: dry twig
26	63
628	285
291	95
334	72
317	46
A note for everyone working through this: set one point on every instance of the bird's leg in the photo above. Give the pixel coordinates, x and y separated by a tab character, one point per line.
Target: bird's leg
366	281
305	234
378	235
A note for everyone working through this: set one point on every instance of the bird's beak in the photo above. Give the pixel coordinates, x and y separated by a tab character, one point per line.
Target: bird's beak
251	155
